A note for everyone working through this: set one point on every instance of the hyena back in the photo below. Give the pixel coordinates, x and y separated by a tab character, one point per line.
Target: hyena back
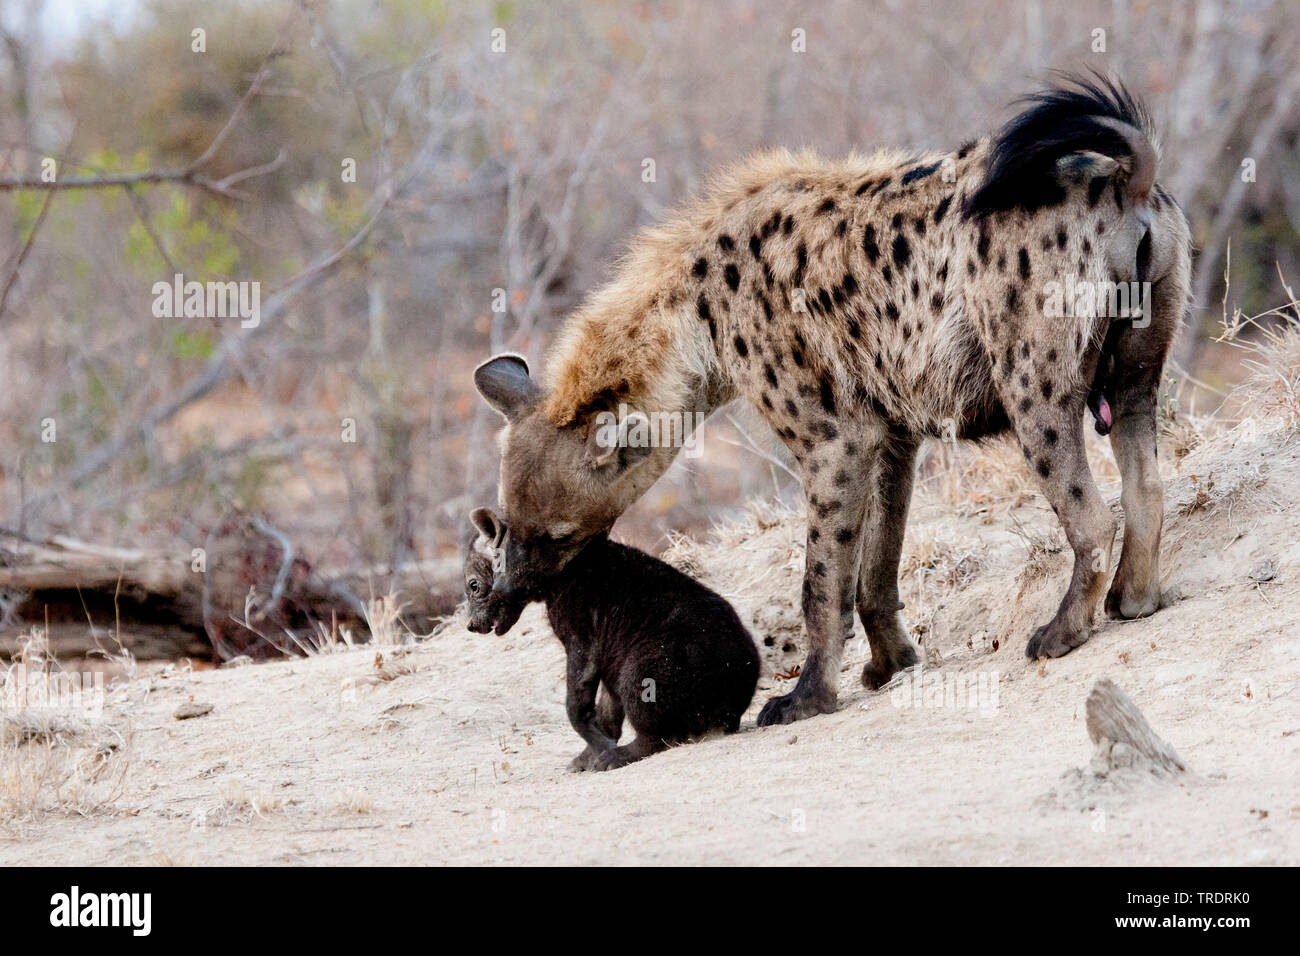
861	306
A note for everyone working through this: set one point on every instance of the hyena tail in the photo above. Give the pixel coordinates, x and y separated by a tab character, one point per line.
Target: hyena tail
1079	115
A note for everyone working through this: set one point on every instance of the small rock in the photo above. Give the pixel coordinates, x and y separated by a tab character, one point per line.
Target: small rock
793	740
1264	571
192	709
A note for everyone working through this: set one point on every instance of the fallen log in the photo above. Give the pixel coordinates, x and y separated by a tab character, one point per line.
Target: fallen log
246	591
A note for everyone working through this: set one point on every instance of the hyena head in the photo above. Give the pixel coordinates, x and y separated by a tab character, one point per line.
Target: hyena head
559	486
482	604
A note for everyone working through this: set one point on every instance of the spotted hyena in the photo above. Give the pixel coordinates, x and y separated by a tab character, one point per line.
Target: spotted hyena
860	306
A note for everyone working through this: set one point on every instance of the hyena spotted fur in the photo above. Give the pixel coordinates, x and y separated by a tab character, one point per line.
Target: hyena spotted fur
861	305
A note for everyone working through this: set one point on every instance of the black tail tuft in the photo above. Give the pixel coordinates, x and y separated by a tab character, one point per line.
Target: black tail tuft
1077	114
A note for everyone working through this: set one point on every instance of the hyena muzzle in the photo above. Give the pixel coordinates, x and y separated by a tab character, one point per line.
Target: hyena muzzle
861	306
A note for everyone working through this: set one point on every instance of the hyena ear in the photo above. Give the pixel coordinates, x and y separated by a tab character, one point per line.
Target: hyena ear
492	528
504	382
1083	166
614	444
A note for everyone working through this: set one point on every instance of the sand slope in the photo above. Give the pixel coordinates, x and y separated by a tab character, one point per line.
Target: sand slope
454	751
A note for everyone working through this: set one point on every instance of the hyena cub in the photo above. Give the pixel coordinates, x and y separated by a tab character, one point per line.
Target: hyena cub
668	653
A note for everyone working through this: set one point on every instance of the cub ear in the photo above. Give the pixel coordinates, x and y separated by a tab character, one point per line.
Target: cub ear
504	383
617	444
492	528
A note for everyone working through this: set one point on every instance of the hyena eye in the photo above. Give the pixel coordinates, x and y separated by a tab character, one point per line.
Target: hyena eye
474	587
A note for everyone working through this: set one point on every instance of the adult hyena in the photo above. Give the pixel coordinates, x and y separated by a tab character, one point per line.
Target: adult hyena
860	306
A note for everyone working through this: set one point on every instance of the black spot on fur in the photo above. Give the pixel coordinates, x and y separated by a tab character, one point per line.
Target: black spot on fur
869	245
936	302
982	246
902	251
787	225
1060	238
844	535
732	275
941	210
741	348
887	273
1050	436
828	396
1024	263
1076	492
891	310
726	243
828	205
919	172
701	268
801	263
792	408
1046	387
756	245
1095	188
770	374
1013	298
849	284
855	329
1045	468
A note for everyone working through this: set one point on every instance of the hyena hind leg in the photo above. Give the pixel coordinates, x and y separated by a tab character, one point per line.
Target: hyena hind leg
882	544
609	719
1139	362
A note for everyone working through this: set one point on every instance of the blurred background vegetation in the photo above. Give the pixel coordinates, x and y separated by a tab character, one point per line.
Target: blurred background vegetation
478	170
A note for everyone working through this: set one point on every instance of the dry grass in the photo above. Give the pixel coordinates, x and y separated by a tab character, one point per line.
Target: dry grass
985	480
57	753
1271	343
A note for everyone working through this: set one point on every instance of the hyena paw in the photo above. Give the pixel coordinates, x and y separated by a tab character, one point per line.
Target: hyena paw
877	674
1055	639
788	708
1128	606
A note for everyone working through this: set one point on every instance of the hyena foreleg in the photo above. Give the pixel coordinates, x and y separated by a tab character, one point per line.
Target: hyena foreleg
836	484
1139	361
882	544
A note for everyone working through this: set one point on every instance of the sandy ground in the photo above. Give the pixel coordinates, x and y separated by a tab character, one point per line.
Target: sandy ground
454	750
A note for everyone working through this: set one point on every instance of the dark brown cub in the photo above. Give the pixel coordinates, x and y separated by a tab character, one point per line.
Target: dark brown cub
671	655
